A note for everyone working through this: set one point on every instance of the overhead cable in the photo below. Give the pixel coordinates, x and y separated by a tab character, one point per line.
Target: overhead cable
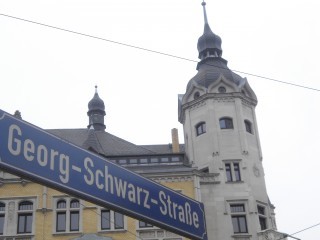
156	52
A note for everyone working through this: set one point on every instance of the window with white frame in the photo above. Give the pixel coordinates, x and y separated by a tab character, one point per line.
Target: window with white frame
25	217
67	215
110	220
2	217
233	173
238	217
262	217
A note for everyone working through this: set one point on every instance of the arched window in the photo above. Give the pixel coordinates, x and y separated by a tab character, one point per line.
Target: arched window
68	215
200	128
226	123
61	204
25	217
248	126
74	215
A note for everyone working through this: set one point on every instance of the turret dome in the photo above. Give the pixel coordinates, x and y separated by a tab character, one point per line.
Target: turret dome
96	103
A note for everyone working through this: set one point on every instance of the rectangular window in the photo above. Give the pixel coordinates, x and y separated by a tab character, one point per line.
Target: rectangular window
25	223
110	220
61	222
262	217
233	173
144	224
74	221
118	221
238	217
228	172
236	208
236	170
105	219
239	224
1	224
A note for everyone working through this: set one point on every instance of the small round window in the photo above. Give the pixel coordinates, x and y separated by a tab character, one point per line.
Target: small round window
196	95
222	89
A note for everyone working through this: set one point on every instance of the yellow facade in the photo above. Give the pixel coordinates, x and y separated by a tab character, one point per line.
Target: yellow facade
14	190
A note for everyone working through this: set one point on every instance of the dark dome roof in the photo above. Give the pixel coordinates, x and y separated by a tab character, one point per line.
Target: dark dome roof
210	70
209	41
96	103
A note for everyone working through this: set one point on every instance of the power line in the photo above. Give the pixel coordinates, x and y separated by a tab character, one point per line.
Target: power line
156	52
306	229
290	235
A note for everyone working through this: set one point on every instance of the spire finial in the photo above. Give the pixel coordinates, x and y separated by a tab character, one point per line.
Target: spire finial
96	89
204	12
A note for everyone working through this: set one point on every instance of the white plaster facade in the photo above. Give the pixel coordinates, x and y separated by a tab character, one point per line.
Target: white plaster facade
228	153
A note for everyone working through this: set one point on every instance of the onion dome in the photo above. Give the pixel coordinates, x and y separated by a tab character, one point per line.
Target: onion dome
209	44
96	112
212	68
96	103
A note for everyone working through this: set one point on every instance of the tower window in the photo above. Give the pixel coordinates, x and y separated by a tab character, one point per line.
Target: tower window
238	217
248	126
233	172
226	123
262	217
222	89
200	128
196	95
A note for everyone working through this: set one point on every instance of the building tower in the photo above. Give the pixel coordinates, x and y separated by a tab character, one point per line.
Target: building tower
221	139
96	112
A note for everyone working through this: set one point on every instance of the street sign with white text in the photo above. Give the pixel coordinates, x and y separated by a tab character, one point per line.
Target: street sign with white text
32	153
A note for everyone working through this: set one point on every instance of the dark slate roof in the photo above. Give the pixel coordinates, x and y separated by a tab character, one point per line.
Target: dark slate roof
165	169
210	70
122	152
100	141
162	148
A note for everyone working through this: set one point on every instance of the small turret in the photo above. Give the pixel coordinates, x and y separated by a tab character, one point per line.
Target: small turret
96	112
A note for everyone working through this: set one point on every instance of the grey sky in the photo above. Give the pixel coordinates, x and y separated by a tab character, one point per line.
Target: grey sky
49	75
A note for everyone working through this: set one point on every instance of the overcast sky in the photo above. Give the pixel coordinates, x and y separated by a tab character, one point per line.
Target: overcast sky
49	75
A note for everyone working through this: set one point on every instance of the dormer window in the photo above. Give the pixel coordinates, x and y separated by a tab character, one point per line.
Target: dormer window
200	128
226	123
222	89
196	95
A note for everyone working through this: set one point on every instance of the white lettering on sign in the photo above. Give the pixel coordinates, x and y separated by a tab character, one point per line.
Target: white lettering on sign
44	156
99	178
175	210
115	185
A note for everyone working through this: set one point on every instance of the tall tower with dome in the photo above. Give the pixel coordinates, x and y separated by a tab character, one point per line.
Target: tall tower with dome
222	141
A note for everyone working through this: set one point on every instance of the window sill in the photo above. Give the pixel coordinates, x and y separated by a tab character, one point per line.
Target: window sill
241	235
66	233
112	231
234	182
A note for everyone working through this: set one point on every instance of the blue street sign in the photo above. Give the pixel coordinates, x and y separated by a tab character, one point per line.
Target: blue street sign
32	153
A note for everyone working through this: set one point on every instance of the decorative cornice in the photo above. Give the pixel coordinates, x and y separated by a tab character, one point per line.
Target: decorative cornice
220	97
210	178
172	179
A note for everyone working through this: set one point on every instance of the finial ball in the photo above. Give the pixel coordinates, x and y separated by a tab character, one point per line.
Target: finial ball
203	3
